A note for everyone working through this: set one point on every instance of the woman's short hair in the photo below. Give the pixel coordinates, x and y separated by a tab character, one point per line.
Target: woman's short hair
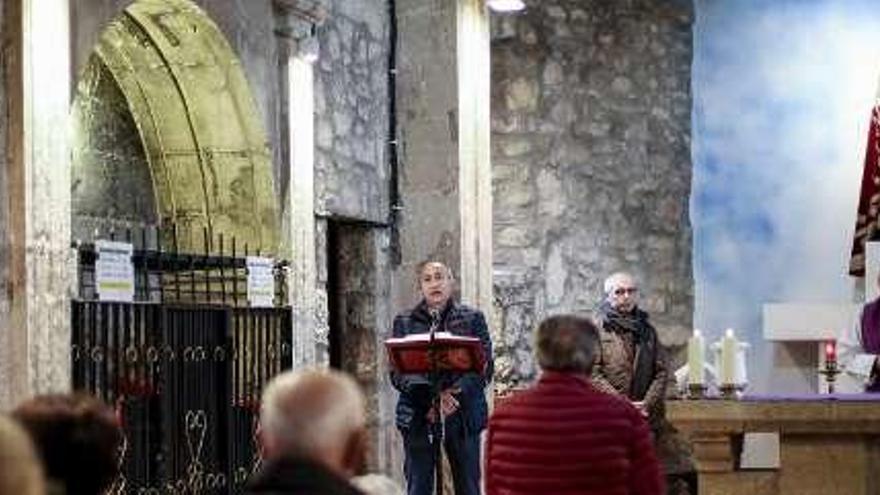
566	343
77	437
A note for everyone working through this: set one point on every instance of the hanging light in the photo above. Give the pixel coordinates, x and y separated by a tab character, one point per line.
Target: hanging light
506	5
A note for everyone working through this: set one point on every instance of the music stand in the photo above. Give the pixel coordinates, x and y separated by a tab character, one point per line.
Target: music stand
432	353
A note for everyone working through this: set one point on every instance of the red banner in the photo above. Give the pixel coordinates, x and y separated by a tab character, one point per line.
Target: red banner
867	225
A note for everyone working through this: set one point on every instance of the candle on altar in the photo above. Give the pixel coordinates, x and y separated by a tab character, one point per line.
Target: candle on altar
831	351
729	349
696	358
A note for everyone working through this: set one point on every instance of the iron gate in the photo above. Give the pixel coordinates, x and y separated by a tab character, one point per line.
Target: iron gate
184	365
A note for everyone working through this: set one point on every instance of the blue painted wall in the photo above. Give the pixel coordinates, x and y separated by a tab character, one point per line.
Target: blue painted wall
782	97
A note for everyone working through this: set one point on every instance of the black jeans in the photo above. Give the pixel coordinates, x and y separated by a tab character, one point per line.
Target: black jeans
462	450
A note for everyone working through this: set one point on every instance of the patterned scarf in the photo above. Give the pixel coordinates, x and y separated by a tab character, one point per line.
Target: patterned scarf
644	338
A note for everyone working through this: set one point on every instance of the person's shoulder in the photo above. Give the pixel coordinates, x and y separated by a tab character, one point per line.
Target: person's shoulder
642	314
512	404
406	315
467	311
618	403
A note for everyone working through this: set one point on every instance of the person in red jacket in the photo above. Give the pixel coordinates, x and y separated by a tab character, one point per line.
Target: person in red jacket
563	435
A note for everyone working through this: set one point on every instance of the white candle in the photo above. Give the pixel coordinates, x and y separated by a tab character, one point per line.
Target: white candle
729	348
696	356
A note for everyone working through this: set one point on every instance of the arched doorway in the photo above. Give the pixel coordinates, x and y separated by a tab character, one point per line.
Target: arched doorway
166	131
167	135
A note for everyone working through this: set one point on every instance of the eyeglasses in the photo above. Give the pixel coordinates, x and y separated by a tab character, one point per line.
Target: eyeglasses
625	290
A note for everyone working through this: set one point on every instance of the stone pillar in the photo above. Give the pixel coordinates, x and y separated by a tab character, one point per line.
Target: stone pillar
474	152
300	218
35	257
592	164
445	172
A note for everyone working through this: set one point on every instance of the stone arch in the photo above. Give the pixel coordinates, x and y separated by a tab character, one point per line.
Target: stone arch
166	131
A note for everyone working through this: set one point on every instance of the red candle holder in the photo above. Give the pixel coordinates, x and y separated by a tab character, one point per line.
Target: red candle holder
831	369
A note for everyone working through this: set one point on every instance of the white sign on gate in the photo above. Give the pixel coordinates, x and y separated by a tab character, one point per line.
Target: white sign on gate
114	271
260	282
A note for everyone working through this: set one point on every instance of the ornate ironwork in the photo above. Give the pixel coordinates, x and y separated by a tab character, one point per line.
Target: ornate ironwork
187	374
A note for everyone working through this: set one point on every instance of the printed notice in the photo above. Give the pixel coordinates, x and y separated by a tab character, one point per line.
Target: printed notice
114	271
260	282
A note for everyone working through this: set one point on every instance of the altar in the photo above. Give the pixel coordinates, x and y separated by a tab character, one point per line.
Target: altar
827	444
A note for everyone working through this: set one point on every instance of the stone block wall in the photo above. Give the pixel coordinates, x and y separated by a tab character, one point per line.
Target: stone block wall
591	111
351	125
351	103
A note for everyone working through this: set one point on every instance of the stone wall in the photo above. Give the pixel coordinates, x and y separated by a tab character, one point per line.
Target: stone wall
591	161
351	103
351	125
352	191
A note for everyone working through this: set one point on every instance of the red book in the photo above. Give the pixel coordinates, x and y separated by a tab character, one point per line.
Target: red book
412	354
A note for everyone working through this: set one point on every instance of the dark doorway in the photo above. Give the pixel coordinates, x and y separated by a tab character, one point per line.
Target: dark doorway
351	273
354	296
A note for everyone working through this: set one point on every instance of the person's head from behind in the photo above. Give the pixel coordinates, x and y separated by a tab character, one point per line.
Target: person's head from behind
622	291
436	282
77	437
567	344
20	470
315	414
377	484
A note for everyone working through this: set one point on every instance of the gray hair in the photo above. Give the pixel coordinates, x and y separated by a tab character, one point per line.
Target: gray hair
613	281
311	410
377	484
566	343
420	267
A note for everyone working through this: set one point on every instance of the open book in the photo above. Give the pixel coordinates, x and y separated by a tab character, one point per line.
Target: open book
413	353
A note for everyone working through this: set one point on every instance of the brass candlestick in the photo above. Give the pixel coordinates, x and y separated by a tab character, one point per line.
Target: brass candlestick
830	371
697	390
728	390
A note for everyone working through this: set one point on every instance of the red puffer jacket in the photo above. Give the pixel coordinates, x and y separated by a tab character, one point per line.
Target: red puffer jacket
565	437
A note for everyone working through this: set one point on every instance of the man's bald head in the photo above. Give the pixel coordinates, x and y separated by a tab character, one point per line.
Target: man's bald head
317	414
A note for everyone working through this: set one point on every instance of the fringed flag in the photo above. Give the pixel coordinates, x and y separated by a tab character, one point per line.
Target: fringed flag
867	221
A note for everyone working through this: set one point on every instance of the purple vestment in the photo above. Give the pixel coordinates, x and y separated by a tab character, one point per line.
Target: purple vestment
871	336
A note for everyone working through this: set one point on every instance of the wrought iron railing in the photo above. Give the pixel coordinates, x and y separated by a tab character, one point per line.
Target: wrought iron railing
184	364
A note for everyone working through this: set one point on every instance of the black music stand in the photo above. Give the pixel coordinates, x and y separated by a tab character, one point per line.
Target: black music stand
432	353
